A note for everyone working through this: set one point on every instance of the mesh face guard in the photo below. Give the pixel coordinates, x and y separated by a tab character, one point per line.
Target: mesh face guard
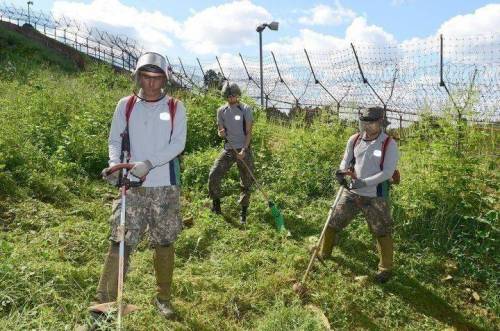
154	63
230	90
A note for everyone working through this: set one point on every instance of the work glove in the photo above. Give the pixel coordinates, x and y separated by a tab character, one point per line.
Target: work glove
357	183
141	169
340	177
241	154
112	178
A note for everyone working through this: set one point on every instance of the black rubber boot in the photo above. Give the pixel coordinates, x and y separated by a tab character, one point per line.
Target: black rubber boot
216	206
244	211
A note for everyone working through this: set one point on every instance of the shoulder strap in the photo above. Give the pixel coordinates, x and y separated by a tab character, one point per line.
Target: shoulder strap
356	141
172	109
244	120
129	107
384	148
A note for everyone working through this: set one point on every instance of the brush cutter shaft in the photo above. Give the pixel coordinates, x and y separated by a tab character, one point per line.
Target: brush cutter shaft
316	248
121	256
249	171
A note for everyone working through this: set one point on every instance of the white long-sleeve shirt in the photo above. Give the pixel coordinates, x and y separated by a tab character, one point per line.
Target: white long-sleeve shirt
368	155
149	132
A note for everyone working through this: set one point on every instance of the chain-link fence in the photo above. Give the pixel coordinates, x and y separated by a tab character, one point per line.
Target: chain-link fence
120	51
435	75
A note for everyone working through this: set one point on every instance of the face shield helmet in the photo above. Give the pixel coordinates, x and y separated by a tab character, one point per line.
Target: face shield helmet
370	120
230	89
151	66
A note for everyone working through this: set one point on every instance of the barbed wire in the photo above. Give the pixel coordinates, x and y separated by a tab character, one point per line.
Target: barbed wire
120	51
437	75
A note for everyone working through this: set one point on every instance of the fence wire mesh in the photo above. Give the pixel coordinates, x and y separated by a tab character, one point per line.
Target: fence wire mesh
431	75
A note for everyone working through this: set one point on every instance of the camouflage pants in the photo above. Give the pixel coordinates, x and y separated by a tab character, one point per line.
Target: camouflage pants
220	168
376	211
155	209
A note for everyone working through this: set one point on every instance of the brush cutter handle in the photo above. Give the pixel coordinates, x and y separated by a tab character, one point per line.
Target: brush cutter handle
118	167
125	181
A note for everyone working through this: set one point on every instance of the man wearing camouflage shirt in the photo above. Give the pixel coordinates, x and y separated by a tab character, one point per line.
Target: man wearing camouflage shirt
234	123
372	166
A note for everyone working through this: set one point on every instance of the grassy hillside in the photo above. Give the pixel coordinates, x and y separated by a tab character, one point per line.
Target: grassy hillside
53	209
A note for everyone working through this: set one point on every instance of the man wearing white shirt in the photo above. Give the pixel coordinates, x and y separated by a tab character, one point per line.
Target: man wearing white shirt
371	158
156	125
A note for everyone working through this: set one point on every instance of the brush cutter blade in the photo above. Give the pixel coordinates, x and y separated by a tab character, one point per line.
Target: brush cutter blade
278	217
299	289
109	307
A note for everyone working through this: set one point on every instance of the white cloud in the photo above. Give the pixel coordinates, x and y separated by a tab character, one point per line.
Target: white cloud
360	31
152	29
400	2
483	21
307	39
327	15
227	26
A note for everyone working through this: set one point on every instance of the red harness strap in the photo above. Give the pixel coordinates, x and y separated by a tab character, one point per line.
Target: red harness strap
172	109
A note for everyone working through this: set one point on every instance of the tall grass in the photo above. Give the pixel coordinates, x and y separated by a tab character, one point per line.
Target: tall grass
53	210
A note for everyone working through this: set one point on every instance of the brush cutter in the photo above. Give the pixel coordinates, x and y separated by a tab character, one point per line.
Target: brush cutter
299	287
275	212
124	183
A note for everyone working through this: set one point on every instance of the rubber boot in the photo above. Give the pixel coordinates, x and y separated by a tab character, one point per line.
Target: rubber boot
244	211
330	239
164	269
108	283
216	206
385	249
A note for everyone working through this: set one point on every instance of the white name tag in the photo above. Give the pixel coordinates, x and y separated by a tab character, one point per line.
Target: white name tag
377	153
165	116
237	117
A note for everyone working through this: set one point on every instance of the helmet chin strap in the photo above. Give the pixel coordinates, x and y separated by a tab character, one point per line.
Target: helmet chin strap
163	95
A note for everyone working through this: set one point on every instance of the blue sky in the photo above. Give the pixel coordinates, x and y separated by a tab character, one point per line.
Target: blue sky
203	29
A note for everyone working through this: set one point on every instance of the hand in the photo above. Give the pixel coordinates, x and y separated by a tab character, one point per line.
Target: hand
222	133
241	154
357	183
141	169
111	178
340	177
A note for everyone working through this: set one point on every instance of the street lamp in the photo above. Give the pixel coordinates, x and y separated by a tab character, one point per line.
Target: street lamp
273	26
29	3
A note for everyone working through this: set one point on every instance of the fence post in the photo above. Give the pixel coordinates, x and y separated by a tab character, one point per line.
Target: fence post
400	127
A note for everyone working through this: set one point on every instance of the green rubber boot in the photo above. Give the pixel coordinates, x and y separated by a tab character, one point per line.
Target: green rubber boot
108	283
330	239
164	269
385	249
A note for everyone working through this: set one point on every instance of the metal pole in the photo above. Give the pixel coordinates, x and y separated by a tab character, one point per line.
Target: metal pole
201	68
29	15
261	72
441	82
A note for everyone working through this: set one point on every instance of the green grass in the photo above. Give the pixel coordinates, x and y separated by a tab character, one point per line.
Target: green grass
54	210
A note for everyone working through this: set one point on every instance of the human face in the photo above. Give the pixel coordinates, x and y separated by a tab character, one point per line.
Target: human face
372	128
151	84
232	99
